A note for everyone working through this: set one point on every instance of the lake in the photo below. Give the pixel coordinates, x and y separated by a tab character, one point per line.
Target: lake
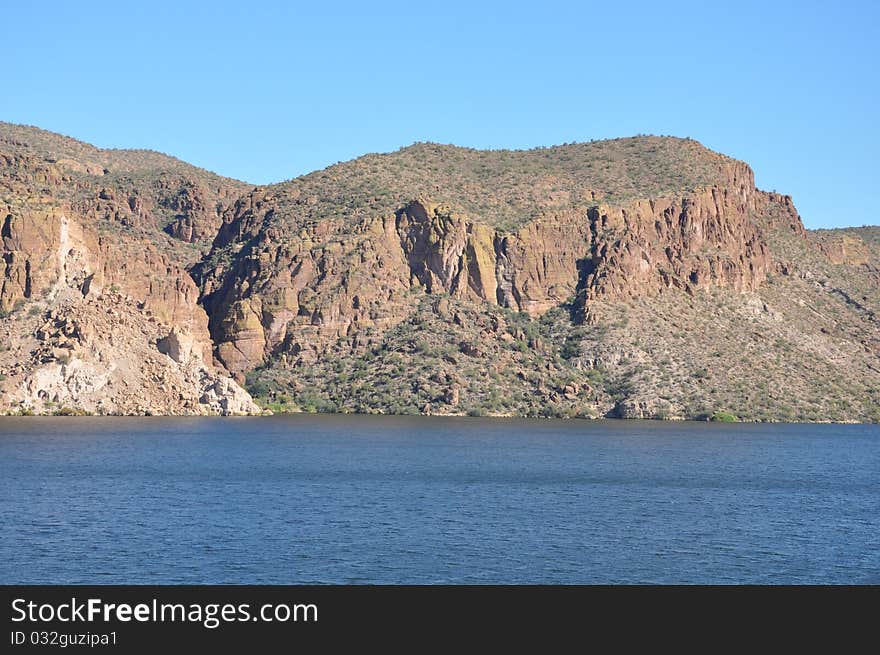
366	499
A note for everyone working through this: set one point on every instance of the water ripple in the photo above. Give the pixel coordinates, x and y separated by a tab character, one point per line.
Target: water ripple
397	500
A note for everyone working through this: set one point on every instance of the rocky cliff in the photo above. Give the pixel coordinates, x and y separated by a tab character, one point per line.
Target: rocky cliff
294	288
99	312
643	277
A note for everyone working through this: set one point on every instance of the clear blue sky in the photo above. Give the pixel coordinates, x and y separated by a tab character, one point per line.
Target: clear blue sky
264	91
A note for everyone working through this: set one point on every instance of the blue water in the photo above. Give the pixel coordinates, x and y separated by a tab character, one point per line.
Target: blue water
335	499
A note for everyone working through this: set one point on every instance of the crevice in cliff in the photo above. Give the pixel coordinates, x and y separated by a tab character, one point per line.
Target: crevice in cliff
28	280
507	294
586	268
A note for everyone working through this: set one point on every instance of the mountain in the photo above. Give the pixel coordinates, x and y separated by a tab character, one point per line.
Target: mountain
97	311
643	278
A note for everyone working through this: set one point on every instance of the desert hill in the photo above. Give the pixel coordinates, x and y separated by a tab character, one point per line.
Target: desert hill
639	277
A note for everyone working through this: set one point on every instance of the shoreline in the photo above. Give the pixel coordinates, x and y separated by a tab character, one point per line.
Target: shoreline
614	419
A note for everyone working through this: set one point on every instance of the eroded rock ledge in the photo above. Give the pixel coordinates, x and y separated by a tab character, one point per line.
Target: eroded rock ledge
290	293
96	333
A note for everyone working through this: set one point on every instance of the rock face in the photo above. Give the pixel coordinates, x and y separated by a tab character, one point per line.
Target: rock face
292	294
97	346
705	239
637	278
98	314
99	356
447	253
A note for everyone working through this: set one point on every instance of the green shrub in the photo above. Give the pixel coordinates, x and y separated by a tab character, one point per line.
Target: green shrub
256	387
68	411
570	349
596	376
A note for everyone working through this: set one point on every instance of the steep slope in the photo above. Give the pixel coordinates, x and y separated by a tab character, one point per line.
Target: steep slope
802	345
91	284
642	277
129	188
288	274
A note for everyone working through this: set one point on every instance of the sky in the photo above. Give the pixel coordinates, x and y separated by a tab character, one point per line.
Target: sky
265	91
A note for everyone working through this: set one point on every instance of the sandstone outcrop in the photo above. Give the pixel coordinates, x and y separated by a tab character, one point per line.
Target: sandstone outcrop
637	278
90	301
289	294
100	356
